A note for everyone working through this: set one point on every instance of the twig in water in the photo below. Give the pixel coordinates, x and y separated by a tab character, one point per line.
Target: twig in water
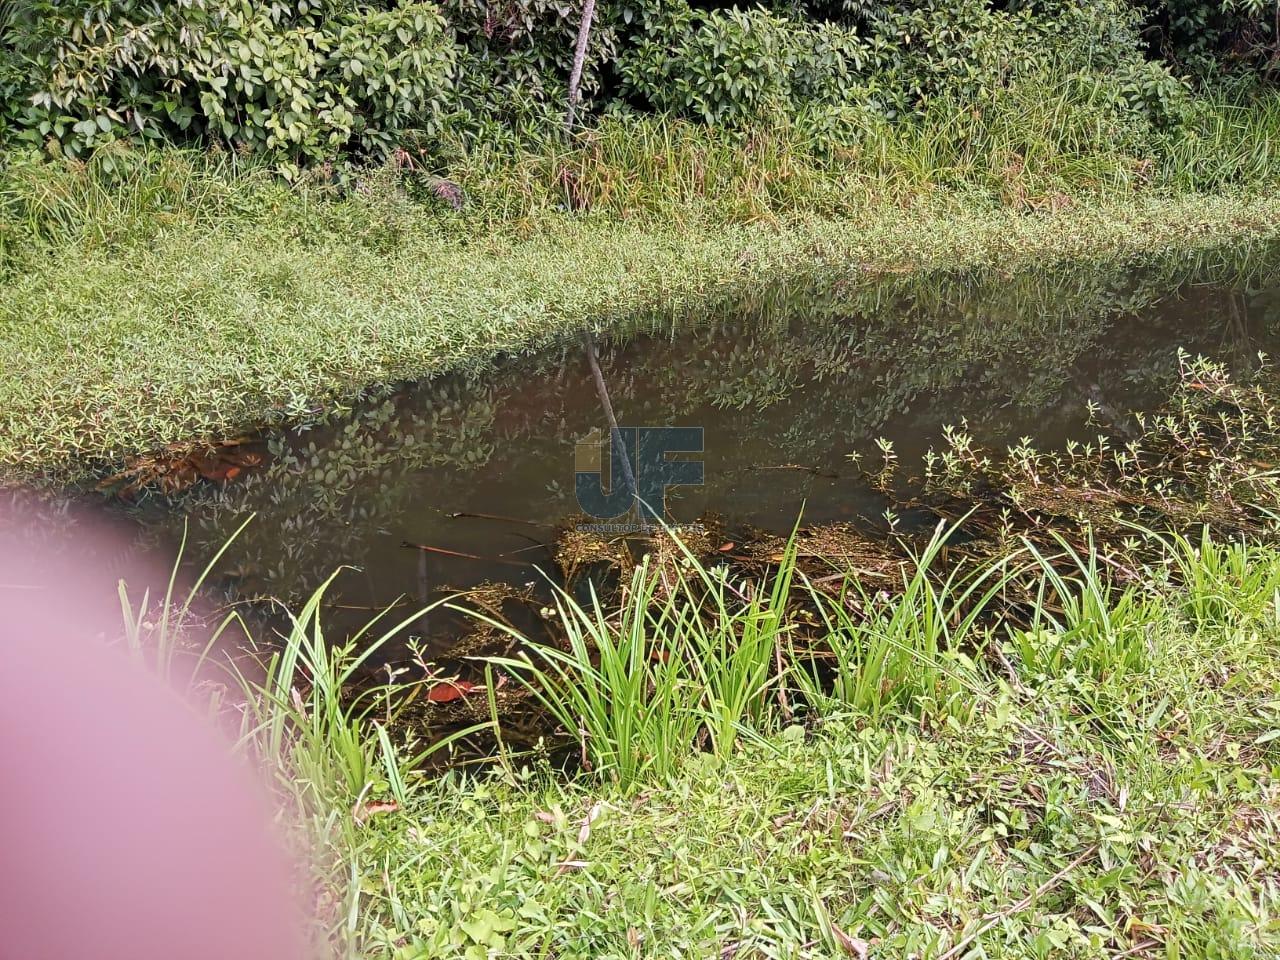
825	474
458	553
493	516
615	435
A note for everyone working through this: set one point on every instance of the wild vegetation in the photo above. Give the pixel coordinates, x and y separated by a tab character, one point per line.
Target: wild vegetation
317	83
1045	728
1033	713
325	196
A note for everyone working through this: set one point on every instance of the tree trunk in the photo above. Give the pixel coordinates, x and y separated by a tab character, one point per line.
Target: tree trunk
579	55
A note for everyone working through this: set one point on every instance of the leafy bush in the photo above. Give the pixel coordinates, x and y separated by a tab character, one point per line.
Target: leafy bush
297	81
968	51
306	81
514	63
734	66
1209	37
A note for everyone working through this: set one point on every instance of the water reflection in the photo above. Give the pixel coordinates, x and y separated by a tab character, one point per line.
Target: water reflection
786	384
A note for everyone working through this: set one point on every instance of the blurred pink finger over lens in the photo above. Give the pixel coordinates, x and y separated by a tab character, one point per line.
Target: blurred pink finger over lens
128	830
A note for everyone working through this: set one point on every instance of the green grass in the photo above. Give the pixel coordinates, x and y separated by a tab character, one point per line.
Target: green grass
993	812
686	657
183	296
203	332
884	652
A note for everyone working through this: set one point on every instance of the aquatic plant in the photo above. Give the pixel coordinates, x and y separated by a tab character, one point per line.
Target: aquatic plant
685	657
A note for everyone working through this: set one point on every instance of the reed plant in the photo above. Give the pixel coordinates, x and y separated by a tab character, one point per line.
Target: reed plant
1083	620
1222	582
686	659
908	649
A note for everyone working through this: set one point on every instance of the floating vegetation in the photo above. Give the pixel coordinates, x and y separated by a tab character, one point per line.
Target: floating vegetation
579	548
827	551
1207	459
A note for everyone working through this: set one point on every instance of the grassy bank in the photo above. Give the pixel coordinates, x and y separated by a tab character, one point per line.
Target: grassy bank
1047	728
1101	785
113	345
153	297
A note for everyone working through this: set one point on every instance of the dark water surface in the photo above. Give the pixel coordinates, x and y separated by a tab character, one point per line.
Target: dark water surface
785	384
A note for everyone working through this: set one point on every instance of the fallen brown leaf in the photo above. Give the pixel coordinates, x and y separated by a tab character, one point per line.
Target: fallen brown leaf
363	811
584	832
853	946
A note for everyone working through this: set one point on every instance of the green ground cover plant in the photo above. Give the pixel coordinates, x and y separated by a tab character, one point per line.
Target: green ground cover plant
961	794
214	217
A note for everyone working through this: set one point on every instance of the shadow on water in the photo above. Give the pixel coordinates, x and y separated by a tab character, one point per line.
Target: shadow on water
786	384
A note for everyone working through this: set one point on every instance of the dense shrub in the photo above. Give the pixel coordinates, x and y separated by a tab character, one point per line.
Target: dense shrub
736	66
514	63
968	50
1209	37
300	81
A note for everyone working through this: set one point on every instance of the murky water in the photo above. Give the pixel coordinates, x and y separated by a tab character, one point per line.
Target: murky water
785	386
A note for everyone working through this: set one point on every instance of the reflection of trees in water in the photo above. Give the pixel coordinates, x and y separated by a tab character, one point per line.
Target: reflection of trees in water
990	346
819	370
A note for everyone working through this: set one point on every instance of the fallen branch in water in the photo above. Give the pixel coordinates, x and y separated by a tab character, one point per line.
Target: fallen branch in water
494	516
444	552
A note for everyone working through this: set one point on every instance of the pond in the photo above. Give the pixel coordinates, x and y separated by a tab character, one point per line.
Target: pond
792	389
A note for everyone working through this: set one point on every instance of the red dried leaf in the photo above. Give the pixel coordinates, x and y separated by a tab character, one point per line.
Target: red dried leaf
366	810
451	690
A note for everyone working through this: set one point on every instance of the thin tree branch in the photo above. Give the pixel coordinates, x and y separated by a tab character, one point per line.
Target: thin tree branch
579	55
615	435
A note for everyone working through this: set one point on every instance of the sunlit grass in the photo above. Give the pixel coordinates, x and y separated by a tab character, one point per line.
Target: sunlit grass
179	295
685	658
907	648
930	770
